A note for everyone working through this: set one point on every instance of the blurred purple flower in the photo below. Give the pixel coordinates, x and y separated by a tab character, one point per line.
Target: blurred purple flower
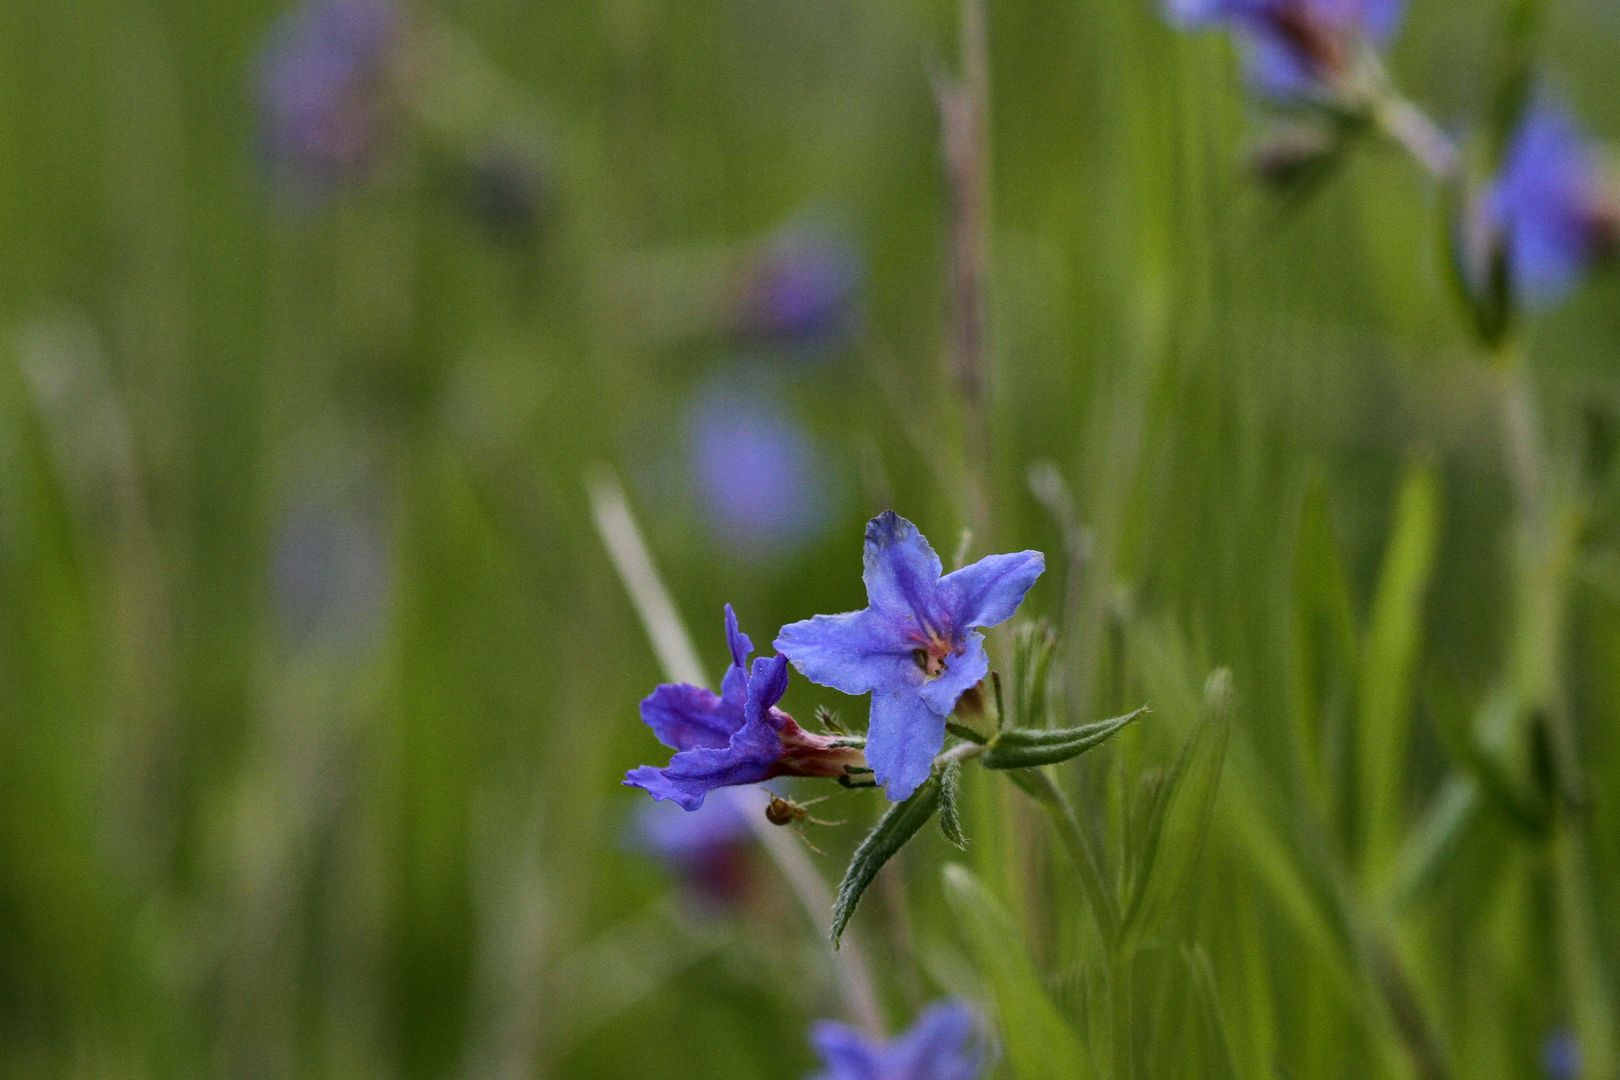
329	573
1561	1056
733	738
1297	48
1548	214
941	1045
803	291
916	648
320	86
706	849
756	471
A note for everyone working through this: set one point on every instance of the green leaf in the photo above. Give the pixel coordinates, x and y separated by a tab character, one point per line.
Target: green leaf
950	819
1177	821
897	825
1039	1044
1024	748
1388	659
1033	647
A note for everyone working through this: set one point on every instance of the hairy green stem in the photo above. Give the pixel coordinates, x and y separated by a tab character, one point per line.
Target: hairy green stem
1104	907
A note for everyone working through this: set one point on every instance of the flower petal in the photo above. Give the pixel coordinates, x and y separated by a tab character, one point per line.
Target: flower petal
734	686
685	717
691	774
962	671
901	571
847	1053
765	688
939	1046
854	653
987	592
902	738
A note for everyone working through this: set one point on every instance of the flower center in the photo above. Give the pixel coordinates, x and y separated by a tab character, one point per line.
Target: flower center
930	657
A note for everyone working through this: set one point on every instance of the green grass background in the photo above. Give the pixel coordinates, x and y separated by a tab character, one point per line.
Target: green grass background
224	852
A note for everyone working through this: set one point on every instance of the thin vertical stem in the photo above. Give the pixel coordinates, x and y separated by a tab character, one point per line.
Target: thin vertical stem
1093	881
1541	613
964	127
673	645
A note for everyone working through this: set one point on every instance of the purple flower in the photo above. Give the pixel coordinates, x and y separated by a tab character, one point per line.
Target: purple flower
915	648
755	469
1547	215
707	849
320	89
1561	1056
1298	48
735	737
941	1045
802	291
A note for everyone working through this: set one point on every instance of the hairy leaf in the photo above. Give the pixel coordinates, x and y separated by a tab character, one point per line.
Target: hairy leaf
897	825
1024	748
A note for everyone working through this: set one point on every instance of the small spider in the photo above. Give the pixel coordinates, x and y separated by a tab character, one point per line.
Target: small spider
784	811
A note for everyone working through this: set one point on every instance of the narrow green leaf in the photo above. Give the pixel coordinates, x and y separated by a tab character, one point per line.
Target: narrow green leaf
1024	748
897	825
950	819
1325	646
1178	820
1033	647
1039	1044
1387	664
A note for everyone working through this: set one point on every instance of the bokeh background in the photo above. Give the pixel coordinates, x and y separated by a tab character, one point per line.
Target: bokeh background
316	684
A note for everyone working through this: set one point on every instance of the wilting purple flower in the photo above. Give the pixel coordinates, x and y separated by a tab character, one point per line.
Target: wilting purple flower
802	290
1298	48
915	648
735	737
756	471
1548	214
706	849
321	90
941	1045
1561	1056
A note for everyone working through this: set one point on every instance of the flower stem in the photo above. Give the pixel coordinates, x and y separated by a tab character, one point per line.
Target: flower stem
1105	909
673	646
964	109
1410	128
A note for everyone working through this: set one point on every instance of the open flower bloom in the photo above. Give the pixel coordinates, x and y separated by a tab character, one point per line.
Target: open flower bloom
1298	48
941	1045
1547	215
916	648
737	736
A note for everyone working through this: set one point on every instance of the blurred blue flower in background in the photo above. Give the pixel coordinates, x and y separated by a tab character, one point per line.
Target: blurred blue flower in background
916	649
802	292
762	483
329	572
1561	1056
733	738
707	850
1298	48
941	1045
321	85
1548	214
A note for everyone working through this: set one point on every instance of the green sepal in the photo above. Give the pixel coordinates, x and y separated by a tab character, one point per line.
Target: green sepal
1025	748
950	818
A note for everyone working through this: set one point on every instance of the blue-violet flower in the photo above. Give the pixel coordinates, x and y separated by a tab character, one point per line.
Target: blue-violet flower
1548	214
941	1045
915	648
735	737
1298	48
802	290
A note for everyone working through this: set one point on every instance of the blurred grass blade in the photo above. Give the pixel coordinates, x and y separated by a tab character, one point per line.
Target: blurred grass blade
1387	664
1325	645
1436	839
1179	818
1217	1058
1040	1045
1033	647
897	825
950	817
1023	748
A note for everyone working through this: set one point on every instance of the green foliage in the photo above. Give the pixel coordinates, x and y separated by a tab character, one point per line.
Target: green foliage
1039	1044
898	824
1025	748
